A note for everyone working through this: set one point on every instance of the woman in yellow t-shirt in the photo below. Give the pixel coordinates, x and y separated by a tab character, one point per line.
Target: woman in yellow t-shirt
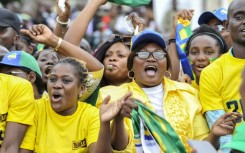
63	124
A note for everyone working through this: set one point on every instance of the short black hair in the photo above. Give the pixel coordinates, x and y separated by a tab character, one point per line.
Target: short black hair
79	67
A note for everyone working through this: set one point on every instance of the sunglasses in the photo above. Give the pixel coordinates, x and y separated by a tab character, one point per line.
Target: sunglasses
124	38
158	55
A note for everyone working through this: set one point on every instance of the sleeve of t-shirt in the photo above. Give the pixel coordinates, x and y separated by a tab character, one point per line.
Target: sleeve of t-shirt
29	139
210	86
21	106
92	83
93	125
200	126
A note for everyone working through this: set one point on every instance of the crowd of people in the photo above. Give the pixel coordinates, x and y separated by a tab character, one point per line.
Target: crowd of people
129	95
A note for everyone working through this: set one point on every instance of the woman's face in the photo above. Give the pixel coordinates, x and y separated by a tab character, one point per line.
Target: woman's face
64	88
149	72
46	61
203	49
115	63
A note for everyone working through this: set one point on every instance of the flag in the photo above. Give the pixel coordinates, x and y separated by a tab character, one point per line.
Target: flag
133	3
163	133
183	33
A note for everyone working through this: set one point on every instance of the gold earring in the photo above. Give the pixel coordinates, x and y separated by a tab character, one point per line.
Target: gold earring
131	74
169	74
80	95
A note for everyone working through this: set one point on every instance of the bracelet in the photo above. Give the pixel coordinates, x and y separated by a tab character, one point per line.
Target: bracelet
62	23
171	41
58	45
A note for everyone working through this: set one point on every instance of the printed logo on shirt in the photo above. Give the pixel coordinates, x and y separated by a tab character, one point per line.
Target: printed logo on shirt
235	106
3	117
79	144
12	56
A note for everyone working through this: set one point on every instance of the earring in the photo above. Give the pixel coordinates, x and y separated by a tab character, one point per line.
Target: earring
131	74
80	95
169	74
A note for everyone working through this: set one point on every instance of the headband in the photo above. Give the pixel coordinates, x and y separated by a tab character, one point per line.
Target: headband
210	34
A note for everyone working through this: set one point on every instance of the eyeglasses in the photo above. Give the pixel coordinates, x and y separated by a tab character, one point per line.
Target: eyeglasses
124	38
158	55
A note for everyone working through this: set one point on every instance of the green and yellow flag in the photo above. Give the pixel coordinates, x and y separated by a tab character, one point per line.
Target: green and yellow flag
183	33
133	3
159	129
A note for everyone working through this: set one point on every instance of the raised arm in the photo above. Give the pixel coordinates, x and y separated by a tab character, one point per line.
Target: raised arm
63	19
42	34
78	28
172	50
115	111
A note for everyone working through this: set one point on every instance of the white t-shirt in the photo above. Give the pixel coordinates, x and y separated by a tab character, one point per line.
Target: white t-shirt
155	95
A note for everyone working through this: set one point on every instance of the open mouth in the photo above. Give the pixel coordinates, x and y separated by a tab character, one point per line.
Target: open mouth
200	67
56	97
150	70
48	70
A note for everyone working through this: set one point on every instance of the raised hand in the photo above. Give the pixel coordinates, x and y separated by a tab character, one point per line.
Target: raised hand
39	33
136	21
109	111
64	16
184	14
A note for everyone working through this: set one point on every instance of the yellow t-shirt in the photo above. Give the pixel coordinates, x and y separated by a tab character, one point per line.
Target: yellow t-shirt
16	102
219	84
195	85
92	83
180	104
53	133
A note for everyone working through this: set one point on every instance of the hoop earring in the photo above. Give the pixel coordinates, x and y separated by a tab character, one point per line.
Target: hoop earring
131	74
169	74
79	95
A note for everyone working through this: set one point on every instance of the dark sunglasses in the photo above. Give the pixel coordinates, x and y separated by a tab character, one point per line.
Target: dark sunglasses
158	55
124	38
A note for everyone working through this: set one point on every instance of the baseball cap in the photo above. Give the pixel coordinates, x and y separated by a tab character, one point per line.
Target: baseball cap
220	14
9	19
147	36
23	60
238	139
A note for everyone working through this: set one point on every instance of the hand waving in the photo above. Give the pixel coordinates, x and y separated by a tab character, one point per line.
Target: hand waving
39	33
64	16
109	111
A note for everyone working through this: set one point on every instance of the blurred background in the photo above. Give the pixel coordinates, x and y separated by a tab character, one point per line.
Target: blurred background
111	17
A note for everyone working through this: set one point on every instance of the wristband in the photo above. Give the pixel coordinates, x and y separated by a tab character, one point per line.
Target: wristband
58	45
62	23
171	41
